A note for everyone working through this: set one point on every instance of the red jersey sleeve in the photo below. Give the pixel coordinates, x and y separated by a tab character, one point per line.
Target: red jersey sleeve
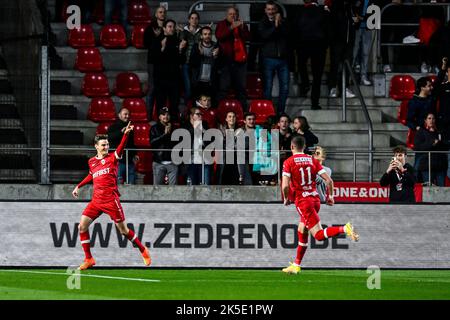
287	167
85	180
119	151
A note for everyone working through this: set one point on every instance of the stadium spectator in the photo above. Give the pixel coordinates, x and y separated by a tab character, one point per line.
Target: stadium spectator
248	132
420	104
311	34
230	173
285	135
442	92
418	108
122	6
209	114
265	168
320	155
152	32
273	31
342	39
232	65
203	65
160	138
168	54
430	139
115	133
363	42
400	178
196	127
191	34
301	127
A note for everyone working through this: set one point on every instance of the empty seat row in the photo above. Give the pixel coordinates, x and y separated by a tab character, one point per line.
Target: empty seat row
138	12
127	85
112	36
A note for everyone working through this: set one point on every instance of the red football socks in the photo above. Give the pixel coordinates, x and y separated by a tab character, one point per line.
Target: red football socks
133	238
302	246
86	244
328	232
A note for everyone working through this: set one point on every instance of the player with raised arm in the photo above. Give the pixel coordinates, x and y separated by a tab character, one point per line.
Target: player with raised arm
300	171
103	169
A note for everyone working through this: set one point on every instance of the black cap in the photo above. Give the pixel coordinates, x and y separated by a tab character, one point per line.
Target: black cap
163	110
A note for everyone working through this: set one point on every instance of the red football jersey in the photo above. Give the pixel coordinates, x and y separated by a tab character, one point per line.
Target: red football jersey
104	173
303	169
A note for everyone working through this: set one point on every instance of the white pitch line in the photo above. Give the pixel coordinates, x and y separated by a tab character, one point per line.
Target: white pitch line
81	275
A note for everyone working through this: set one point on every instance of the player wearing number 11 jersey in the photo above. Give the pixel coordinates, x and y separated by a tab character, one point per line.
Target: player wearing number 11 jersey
299	173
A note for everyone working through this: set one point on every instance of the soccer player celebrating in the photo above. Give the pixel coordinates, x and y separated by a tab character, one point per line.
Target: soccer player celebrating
103	170
300	170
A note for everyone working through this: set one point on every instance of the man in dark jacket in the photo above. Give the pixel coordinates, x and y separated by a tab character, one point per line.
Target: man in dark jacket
273	32
420	104
311	32
168	54
115	133
230	72
400	178
160	138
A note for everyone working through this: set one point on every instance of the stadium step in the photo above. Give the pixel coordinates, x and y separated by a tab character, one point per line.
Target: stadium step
335	116
136	59
66	137
75	79
8	111
5	87
12	136
60	86
86	127
63	112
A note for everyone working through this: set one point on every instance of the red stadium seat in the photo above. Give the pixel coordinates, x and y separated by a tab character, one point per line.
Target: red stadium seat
254	86
102	110
83	37
128	85
142	134
89	60
410	138
95	85
137	108
113	36
102	127
263	109
230	105
138	12
403	112
402	87
144	165
137	36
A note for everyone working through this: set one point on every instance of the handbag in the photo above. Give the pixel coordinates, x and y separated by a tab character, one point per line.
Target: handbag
240	52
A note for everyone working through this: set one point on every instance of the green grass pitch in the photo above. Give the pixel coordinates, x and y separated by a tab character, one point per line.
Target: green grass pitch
168	284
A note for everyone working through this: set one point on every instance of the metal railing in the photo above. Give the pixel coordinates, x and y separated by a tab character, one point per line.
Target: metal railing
348	67
356	158
402	24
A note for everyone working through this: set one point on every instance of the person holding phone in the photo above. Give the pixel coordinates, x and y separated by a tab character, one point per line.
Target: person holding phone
400	178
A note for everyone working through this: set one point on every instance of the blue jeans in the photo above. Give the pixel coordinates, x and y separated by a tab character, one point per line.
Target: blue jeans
271	65
187	83
122	175
437	177
194	171
363	42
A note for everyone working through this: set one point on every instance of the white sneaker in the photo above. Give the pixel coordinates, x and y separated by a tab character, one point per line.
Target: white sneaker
387	68
357	68
365	81
410	39
349	93
333	93
424	68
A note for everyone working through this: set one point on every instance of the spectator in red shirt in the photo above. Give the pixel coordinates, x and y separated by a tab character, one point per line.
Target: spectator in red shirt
230	72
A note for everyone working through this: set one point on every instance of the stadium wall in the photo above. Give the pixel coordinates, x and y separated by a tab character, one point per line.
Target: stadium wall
202	193
231	235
